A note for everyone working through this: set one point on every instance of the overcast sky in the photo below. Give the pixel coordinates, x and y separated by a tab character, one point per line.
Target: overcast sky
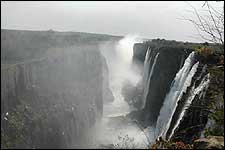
147	19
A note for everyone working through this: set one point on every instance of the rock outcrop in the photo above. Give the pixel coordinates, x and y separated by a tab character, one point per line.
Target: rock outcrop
211	142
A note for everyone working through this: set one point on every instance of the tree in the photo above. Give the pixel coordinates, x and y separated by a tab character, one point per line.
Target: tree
210	27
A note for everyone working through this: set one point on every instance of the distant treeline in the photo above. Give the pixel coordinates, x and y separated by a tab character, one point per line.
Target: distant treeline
188	45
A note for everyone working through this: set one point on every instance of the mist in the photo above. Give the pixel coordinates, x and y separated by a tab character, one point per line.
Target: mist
119	61
108	75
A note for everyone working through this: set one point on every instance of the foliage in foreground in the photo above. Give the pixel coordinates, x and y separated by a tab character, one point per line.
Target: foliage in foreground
163	144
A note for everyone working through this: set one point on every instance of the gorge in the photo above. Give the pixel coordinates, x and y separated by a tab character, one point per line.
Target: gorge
80	90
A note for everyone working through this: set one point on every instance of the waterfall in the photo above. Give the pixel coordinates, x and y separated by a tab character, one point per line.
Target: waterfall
114	126
180	84
146	66
198	90
147	75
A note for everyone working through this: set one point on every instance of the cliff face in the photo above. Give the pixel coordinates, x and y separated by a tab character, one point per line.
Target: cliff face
139	52
205	116
162	62
20	45
195	117
167	64
56	99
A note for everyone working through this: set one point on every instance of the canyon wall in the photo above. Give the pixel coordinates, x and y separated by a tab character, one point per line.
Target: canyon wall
170	60
162	61
53	101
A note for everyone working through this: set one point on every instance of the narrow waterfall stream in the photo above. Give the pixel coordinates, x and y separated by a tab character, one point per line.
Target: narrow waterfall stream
181	82
147	79
195	90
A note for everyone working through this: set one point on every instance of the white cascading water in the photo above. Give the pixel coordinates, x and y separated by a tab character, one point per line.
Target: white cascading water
147	75
195	91
146	66
119	58
120	70
180	84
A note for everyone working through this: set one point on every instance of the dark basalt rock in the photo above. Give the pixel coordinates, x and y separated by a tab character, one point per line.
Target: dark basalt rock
170	60
139	51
